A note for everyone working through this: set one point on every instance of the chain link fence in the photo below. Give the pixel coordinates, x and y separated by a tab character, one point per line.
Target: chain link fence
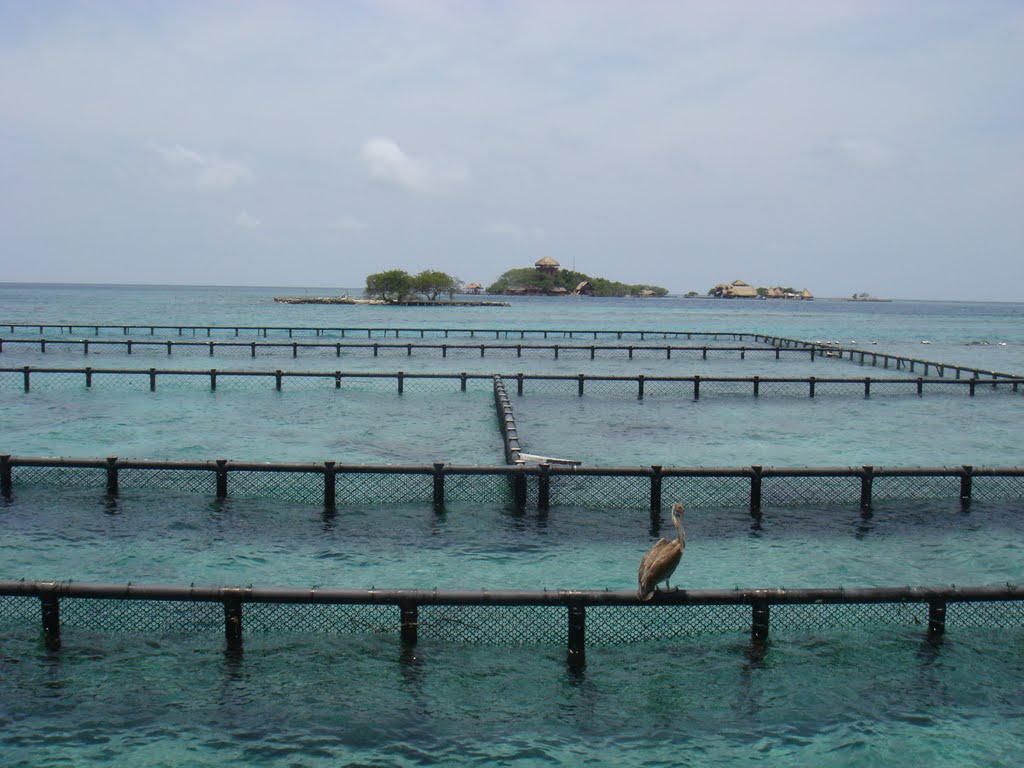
573	618
543	486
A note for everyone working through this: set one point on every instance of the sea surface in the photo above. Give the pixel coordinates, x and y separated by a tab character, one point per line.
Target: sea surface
866	695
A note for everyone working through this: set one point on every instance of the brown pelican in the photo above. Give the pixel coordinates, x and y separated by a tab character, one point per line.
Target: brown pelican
661	560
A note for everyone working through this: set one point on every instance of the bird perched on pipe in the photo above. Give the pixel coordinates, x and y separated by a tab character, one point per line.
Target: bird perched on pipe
661	560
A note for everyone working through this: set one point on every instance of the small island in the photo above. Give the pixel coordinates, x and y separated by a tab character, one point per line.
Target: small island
547	278
738	289
865	297
397	287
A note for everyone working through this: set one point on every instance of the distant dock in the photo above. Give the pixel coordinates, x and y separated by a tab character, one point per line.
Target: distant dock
381	302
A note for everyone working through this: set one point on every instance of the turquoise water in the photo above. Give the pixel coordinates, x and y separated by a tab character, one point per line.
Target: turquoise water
870	696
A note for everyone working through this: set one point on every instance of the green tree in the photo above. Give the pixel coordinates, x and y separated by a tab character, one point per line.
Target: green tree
391	285
432	283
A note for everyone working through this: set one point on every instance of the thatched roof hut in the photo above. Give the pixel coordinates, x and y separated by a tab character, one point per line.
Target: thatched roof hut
547	264
737	289
473	288
584	289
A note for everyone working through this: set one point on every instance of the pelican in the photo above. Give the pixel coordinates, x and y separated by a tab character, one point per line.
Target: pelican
661	560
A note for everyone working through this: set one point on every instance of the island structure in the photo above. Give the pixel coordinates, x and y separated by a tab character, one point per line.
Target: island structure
865	297
547	278
396	287
738	289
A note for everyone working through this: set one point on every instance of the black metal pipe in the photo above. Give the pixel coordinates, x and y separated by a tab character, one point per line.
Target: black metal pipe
319	596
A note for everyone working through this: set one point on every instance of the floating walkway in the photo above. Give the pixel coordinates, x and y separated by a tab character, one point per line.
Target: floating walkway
744	343
575	618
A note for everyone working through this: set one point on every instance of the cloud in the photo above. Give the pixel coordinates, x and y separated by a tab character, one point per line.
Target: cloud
246	220
386	161
347	223
861	152
208	172
507	229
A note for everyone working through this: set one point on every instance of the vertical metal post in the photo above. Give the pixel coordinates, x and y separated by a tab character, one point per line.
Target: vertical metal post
438	486
867	386
810	391
337	379
577	636
655	487
401	382
519	488
936	619
222	478
152	379
233	622
330	483
6	484
696	387
519	384
112	476
88	377
252	349
51	621
920	385
760	620
544	487
640	387
866	482
410	623
462	381
128	344
579	385
277	379
970	384
755	488
213	379
757	386
26	376
965	485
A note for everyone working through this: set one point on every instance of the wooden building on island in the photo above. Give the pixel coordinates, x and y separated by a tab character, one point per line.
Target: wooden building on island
547	265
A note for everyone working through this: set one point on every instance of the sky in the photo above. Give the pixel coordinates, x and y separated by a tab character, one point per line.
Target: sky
839	145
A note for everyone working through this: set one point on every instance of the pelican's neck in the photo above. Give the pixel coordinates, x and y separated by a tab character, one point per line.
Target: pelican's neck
677	521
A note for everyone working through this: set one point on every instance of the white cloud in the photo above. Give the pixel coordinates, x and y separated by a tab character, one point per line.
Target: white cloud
386	161
507	229
246	220
348	224
207	172
861	152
